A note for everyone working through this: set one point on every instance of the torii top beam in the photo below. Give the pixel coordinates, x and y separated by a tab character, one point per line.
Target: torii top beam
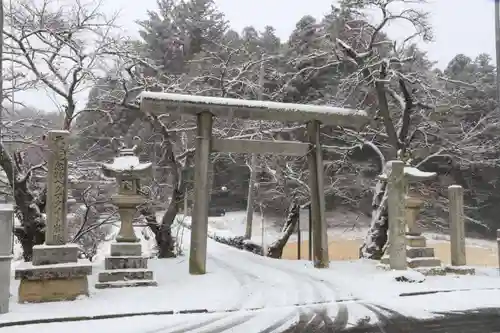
161	103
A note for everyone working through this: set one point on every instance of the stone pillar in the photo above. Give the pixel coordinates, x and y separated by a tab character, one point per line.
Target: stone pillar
498	245
315	161
6	223
127	209
457	226
199	224
45	279
396	207
413	206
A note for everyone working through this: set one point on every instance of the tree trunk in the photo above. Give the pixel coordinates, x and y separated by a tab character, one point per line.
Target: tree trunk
32	229
275	250
31	232
163	230
376	238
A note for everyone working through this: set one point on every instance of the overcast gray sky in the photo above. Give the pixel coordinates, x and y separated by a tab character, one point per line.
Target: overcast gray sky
460	26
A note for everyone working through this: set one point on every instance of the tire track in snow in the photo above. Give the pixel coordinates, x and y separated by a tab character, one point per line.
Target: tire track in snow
279	323
302	282
317	285
270	274
229	323
240	276
246	280
232	317
182	327
234	320
334	290
238	319
251	322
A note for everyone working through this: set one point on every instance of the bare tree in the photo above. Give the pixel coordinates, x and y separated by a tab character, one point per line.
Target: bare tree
90	223
59	49
407	102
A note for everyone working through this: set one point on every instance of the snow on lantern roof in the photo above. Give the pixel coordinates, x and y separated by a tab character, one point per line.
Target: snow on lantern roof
127	163
160	103
412	174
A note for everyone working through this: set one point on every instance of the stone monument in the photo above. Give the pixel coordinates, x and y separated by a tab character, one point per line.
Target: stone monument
126	267
6	223
55	273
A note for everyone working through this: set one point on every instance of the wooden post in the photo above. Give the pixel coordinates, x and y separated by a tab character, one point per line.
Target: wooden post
396	206
457	226
253	168
315	159
310	232
498	245
199	224
299	240
250	197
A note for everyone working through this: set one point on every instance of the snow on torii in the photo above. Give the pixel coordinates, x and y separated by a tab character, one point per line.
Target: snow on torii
205	108
160	103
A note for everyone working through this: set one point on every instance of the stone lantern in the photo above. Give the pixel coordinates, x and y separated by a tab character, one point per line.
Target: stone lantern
413	206
413	202
126	267
417	252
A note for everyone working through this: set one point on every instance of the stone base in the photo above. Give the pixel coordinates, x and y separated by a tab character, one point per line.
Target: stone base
27	271
431	271
126	284
37	291
125	271
427	271
50	283
54	254
460	270
126	249
419	252
423	262
416	241
125	275
125	262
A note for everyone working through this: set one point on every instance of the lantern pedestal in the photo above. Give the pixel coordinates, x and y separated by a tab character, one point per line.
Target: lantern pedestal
125	267
418	255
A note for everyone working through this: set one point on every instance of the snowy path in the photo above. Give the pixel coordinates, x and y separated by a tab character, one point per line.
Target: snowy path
242	292
235	280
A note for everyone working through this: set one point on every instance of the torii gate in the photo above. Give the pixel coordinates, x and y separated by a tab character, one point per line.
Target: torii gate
205	108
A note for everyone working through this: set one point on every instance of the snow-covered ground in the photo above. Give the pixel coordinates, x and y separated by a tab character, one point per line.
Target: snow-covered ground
247	293
234	224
